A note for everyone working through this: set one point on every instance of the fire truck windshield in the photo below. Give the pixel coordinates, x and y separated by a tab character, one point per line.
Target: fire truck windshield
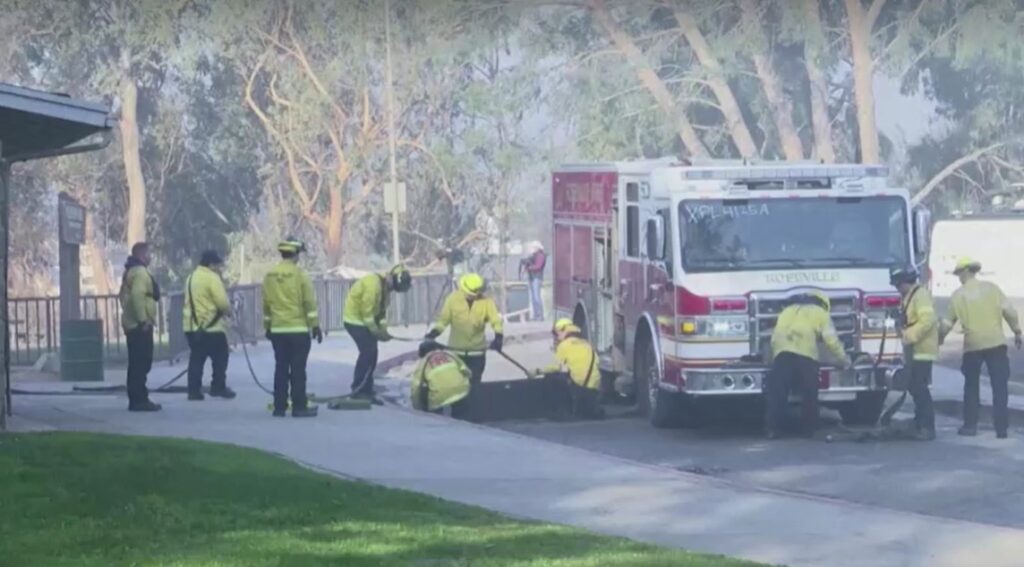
774	233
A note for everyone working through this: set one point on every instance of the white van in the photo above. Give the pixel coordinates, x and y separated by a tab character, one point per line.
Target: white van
996	240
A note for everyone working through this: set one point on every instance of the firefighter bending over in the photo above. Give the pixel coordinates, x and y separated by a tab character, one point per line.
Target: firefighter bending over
921	345
796	361
290	315
439	380
366	312
577	368
468	312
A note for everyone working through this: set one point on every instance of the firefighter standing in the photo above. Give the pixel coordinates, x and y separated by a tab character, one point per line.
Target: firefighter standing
139	296
290	315
577	368
468	312
981	307
534	265
921	341
206	308
796	361
366	310
439	380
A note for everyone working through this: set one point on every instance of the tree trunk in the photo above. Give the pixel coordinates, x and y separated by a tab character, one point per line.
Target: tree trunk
813	45
780	105
716	80
335	218
129	125
651	81
97	257
863	74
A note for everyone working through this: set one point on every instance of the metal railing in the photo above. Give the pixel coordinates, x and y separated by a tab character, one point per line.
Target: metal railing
35	321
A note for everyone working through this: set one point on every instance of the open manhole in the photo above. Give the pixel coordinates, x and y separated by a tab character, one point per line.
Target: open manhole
704	471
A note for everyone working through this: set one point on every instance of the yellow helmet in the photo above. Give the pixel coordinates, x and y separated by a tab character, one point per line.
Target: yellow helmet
472	284
823	299
562	324
967	264
292	245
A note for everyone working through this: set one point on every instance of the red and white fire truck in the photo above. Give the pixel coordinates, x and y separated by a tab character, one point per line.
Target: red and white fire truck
678	271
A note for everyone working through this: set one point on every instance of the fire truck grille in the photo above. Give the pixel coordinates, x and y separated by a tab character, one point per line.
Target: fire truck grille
844	318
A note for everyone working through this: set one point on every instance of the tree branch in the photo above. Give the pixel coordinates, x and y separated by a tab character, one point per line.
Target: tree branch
956	164
874	11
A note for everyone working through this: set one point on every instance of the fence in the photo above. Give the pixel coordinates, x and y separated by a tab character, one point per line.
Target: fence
35	321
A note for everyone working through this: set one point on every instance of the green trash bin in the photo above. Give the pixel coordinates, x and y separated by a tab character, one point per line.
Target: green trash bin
81	350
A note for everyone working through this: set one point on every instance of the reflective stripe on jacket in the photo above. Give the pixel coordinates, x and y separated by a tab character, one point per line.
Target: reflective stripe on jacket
801	327
366	304
289	301
576	356
980	308
138	304
468	320
205	290
445	377
922	330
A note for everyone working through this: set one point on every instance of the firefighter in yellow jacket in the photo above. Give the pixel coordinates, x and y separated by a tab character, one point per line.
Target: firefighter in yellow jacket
468	311
365	317
796	362
290	316
921	345
577	368
139	297
205	323
980	308
439	380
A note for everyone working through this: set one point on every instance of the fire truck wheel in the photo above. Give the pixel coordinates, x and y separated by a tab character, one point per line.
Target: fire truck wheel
865	410
664	409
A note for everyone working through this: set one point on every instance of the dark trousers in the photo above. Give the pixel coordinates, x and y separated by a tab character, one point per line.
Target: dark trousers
366	364
140	362
924	410
792	372
581	402
476	365
202	346
998	363
291	351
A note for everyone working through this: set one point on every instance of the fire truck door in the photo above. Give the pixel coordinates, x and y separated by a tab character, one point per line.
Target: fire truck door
603	265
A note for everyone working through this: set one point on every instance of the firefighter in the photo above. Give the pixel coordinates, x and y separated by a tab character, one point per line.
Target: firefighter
796	362
468	311
366	311
290	316
139	296
981	307
534	266
439	380
206	308
921	343
577	368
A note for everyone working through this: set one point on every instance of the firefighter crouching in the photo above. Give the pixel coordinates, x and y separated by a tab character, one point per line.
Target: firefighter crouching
796	362
577	369
981	307
205	312
439	380
290	315
365	317
468	312
921	345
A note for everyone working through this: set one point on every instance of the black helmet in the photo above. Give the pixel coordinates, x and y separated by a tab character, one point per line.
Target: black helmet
428	346
210	258
401	279
903	275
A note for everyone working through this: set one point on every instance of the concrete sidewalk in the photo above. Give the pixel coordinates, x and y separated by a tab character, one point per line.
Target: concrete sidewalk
529	478
948	393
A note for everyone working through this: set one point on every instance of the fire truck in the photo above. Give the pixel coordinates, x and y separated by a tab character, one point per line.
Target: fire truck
677	272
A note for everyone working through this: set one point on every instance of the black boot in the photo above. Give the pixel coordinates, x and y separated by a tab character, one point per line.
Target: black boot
224	392
968	431
196	396
144	406
305	412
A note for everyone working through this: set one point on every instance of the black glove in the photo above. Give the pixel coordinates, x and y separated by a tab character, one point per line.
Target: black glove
497	343
433	334
318	335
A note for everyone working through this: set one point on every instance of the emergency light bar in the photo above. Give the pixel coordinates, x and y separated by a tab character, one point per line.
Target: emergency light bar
777	172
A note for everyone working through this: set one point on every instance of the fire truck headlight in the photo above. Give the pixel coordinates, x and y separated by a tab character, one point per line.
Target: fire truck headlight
714	327
875	324
688	327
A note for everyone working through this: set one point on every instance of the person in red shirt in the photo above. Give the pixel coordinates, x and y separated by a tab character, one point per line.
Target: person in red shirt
534	266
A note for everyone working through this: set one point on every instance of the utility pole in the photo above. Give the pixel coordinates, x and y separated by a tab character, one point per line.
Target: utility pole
396	253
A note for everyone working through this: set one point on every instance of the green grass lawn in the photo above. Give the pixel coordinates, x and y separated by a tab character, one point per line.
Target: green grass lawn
83	499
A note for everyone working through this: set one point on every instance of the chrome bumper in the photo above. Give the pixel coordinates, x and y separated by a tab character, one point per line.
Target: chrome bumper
749	380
